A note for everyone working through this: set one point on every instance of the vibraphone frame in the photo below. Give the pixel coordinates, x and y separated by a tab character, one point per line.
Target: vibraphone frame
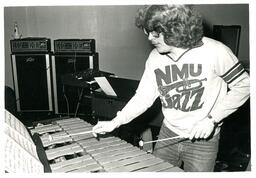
69	151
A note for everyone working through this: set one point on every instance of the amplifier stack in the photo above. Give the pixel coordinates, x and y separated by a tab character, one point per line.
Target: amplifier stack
70	56
37	72
31	74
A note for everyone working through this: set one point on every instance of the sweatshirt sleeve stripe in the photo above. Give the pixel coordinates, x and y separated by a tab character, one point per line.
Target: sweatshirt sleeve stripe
233	73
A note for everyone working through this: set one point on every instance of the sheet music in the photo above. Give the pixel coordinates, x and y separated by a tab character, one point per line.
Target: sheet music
16	125
19	150
105	86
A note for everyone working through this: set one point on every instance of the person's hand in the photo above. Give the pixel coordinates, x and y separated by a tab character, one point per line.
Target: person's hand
102	127
203	129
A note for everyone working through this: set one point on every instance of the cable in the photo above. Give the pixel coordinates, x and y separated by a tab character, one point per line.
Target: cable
79	99
66	99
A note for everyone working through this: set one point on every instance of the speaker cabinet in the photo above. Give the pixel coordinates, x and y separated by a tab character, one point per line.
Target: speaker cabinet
229	35
66	97
32	82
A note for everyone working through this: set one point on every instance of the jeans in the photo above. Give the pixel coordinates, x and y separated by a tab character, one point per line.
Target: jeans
196	156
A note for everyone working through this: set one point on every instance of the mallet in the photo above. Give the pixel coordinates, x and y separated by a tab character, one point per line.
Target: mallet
141	143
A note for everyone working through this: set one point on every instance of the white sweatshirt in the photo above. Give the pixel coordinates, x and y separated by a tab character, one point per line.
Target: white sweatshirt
191	88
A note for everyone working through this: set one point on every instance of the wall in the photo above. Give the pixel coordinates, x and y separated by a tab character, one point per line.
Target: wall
122	47
235	14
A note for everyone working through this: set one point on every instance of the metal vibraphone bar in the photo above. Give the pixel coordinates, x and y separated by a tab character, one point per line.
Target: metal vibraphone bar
70	148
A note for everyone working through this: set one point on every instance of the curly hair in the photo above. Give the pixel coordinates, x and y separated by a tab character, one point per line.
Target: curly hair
181	25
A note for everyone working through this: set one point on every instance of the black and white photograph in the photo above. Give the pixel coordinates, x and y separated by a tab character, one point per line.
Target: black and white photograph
115	87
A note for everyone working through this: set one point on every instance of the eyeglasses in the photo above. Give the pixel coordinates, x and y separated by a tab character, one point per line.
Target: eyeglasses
153	33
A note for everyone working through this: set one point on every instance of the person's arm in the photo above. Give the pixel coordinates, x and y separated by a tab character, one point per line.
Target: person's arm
144	97
232	72
237	79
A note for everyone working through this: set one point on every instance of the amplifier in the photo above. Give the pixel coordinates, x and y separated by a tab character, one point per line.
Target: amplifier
74	45
32	82
30	44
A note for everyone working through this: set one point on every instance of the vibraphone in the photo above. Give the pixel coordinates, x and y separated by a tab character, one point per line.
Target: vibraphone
69	150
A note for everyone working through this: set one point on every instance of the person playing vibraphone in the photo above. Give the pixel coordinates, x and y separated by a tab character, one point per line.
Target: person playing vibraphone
199	81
